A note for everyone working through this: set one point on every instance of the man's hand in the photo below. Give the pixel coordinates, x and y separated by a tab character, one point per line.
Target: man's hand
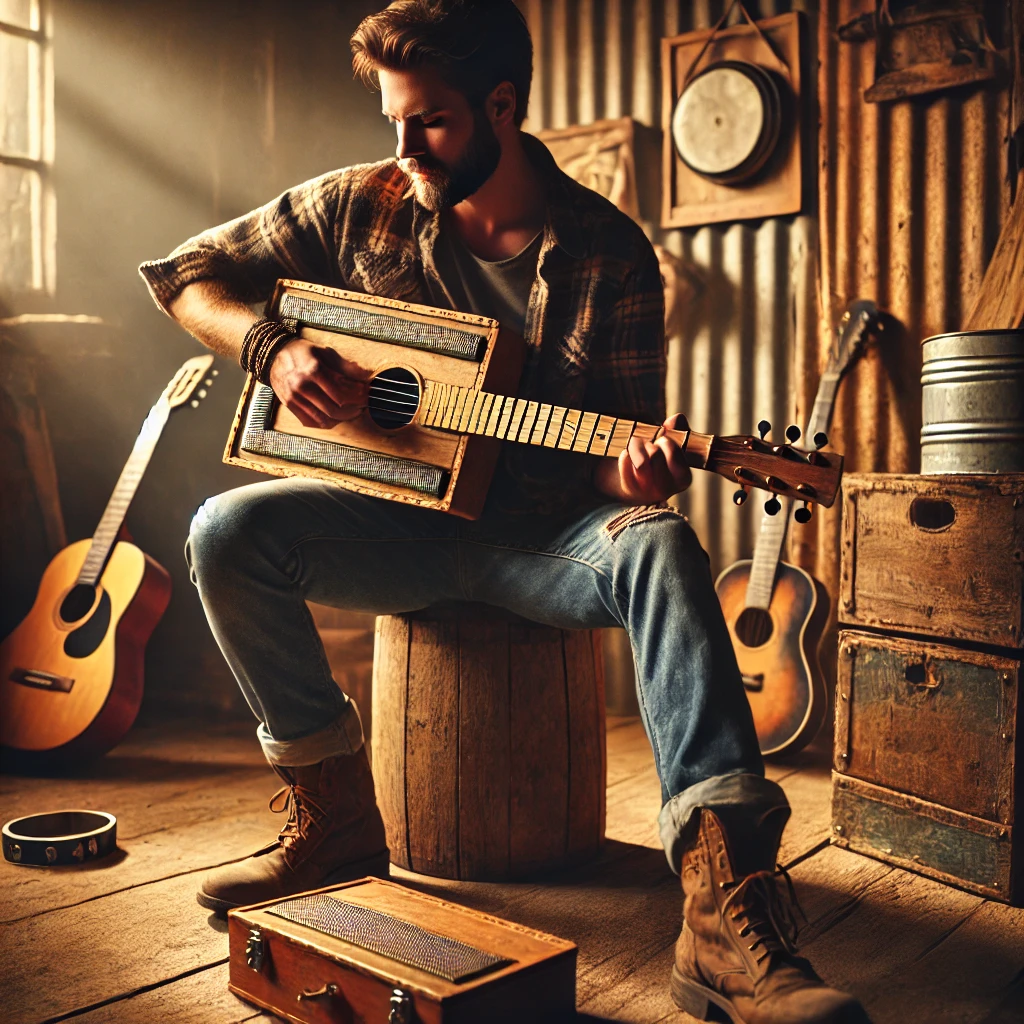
311	381
647	472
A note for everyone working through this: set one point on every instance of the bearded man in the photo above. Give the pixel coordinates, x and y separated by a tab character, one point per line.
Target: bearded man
474	215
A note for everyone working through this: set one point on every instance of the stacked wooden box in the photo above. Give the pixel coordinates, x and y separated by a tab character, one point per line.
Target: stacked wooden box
928	748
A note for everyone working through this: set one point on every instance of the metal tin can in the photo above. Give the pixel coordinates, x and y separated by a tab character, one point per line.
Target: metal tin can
973	402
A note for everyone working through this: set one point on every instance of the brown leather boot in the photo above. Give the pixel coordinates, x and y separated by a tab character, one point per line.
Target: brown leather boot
334	833
737	949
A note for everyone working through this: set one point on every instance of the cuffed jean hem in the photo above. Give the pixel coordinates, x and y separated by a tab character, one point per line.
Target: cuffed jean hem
752	796
343	736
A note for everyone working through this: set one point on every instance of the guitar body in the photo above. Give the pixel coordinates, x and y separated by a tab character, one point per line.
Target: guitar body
777	653
74	688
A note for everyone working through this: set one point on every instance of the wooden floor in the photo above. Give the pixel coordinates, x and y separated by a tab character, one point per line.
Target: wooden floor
125	940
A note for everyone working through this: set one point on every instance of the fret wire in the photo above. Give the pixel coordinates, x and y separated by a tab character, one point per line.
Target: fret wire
474	412
460	405
543	418
602	435
491	427
529	421
485	413
621	436
569	429
558	414
449	408
585	431
430	405
472	399
517	417
507	407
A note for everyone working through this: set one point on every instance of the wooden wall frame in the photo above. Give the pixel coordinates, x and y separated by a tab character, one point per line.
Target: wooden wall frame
688	199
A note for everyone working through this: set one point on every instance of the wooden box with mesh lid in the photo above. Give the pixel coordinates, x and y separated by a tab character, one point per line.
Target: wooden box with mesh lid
376	952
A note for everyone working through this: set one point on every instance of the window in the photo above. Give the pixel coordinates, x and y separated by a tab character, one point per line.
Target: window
28	224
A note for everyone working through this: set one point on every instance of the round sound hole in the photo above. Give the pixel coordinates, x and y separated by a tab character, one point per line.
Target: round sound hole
394	398
76	604
754	627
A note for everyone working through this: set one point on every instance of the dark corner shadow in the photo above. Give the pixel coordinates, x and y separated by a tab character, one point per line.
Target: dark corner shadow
130	769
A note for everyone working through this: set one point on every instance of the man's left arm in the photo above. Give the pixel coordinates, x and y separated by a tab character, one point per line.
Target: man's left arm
628	379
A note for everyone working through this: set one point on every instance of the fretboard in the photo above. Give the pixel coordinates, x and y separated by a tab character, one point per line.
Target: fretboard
468	411
766	557
105	537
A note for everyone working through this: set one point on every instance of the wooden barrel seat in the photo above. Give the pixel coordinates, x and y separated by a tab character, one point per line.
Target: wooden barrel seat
488	743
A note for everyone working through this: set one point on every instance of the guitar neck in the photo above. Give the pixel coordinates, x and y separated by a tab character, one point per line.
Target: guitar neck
768	551
105	537
468	411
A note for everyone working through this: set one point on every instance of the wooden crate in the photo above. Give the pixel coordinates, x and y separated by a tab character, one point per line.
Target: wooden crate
935	555
928	757
308	976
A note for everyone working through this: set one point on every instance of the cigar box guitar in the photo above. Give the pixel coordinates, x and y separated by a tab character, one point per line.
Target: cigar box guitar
440	401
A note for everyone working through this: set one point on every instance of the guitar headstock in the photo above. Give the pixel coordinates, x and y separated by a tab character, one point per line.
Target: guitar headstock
808	476
851	335
186	382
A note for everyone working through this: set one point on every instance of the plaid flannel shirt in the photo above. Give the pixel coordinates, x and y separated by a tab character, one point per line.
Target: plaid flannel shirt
594	324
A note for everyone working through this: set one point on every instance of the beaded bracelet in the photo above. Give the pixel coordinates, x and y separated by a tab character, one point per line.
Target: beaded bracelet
261	342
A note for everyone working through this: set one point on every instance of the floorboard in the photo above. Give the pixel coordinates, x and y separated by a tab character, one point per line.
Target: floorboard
124	941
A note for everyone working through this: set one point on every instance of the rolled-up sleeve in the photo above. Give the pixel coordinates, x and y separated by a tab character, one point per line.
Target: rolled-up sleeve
292	236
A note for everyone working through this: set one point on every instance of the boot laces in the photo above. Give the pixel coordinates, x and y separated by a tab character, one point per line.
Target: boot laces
769	914
303	812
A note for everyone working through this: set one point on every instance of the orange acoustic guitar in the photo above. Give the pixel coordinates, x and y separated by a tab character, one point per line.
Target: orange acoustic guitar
71	673
776	612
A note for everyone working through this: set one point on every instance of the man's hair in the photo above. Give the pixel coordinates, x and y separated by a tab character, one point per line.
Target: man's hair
474	45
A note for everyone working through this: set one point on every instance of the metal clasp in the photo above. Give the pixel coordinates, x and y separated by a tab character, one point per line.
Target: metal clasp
401	1007
255	949
329	989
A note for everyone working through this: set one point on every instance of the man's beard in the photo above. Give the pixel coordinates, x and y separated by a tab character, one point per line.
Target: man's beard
448	186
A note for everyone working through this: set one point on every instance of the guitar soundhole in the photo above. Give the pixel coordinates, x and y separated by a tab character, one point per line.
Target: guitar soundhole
754	627
82	642
394	398
77	603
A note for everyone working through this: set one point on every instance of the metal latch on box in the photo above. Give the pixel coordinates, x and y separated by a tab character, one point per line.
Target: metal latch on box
401	1008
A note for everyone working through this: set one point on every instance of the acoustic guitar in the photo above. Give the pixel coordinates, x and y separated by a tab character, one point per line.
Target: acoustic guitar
776	612
439	405
71	673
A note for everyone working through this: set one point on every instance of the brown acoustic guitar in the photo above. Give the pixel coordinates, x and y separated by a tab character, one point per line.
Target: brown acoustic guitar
776	612
71	673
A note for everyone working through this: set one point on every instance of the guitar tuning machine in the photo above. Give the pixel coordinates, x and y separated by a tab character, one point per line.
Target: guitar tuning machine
792	433
762	429
803	514
740	496
194	403
773	506
820	439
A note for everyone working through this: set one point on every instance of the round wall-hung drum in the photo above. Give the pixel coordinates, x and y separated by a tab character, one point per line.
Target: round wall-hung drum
727	121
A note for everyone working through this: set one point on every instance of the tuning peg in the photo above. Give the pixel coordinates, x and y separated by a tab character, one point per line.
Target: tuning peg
740	496
803	515
772	506
820	439
763	427
201	392
194	403
215	373
792	433
208	382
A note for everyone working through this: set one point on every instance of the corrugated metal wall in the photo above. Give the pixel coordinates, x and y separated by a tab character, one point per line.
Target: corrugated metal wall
912	199
734	362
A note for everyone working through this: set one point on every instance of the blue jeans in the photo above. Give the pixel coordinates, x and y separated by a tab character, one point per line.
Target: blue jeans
258	553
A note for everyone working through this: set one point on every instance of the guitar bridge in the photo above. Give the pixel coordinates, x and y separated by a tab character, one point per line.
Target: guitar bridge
42	680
